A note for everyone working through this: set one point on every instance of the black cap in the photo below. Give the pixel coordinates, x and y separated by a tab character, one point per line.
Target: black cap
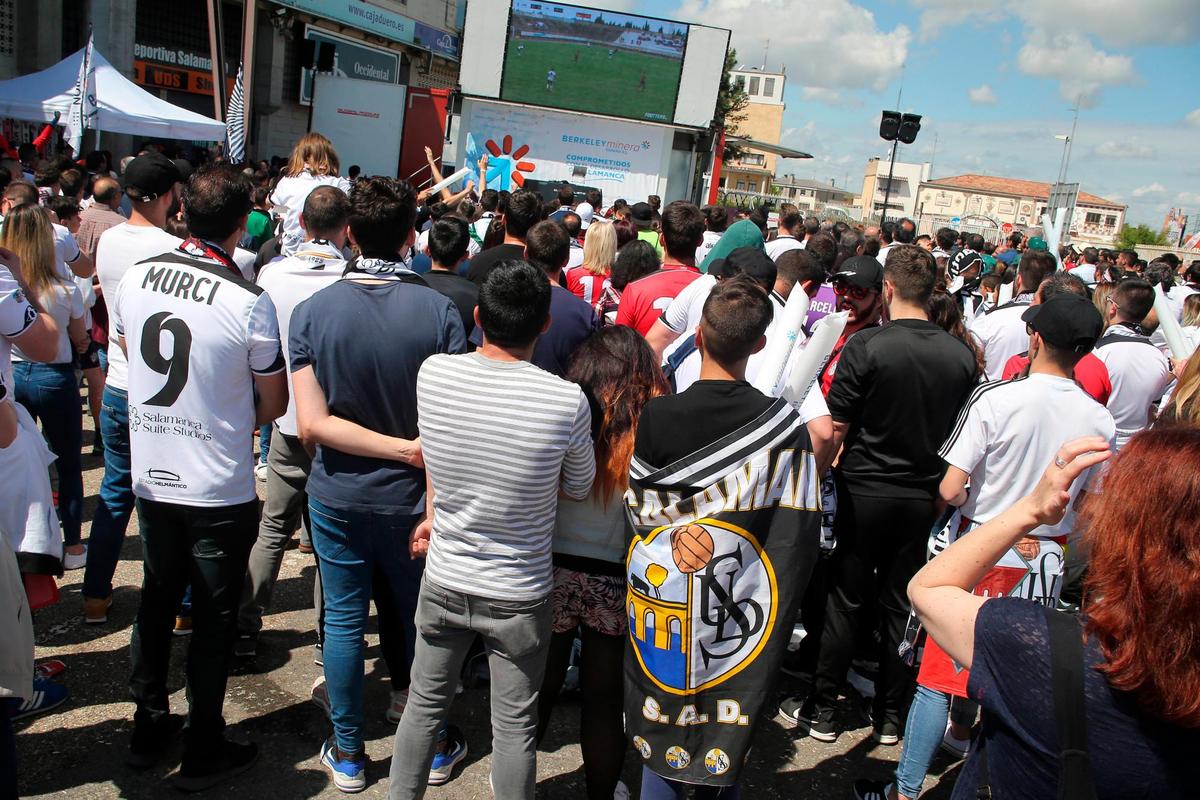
185	168
749	261
642	212
862	271
150	176
1068	321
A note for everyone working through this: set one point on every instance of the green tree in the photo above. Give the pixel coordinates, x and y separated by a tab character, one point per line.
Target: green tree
1133	235
731	106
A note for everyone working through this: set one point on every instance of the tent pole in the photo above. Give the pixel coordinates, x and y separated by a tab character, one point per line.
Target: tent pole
217	53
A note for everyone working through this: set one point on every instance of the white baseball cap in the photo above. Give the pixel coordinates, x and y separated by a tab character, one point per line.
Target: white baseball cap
585	212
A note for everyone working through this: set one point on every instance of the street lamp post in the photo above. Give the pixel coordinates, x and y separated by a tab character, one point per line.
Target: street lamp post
895	127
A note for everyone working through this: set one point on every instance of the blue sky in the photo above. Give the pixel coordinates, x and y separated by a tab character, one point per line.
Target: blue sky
995	81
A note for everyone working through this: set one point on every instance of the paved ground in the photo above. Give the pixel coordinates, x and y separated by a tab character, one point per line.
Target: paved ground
78	752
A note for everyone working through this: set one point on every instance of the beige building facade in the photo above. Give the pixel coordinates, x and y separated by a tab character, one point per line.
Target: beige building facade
755	170
985	199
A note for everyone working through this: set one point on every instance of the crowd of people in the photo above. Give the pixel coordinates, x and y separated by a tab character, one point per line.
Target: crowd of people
481	409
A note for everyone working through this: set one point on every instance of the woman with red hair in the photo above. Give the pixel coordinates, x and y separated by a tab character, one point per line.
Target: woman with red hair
1140	633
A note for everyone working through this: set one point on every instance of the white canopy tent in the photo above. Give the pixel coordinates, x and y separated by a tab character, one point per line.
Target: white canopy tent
122	106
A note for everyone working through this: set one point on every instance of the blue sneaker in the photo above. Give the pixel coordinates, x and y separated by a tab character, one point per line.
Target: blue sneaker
349	775
46	695
451	749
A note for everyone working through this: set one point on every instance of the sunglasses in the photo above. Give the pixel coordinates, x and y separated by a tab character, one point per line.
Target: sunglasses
853	292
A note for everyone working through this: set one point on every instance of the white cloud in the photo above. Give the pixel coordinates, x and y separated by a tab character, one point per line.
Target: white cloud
1152	189
982	95
829	97
837	44
1080	69
1111	21
1113	149
1188	198
1193	118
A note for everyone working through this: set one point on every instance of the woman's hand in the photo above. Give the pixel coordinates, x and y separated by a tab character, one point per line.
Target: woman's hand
1049	500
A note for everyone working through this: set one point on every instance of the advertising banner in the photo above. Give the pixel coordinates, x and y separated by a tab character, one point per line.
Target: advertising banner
621	159
351	59
381	22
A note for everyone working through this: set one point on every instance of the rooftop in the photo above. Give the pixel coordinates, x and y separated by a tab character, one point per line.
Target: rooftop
1013	186
809	183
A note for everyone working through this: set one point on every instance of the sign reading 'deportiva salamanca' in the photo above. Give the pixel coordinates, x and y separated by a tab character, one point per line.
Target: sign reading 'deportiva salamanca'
351	59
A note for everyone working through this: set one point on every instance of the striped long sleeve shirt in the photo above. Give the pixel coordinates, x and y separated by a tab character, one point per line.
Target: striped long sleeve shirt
500	439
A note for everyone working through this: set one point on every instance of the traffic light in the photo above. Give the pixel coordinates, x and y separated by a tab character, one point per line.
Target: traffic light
910	124
889	125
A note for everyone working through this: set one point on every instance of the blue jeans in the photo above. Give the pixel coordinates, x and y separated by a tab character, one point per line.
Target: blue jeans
350	547
922	736
655	787
50	393
116	496
264	443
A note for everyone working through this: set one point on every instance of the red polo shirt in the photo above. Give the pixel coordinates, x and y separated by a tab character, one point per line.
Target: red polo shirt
644	300
1090	374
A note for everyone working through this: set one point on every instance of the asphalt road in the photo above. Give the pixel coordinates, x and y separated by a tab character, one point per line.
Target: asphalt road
77	751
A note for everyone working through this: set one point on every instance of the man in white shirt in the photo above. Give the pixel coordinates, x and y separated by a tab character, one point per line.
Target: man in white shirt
1138	371
1086	271
1001	331
790	232
1004	435
151	184
204	369
683	358
289	282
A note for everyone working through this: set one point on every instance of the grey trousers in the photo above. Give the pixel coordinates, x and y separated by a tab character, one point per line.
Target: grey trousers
286	507
517	638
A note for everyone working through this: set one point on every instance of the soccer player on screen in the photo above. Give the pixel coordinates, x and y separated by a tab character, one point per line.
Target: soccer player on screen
612	53
642	83
520	49
551	75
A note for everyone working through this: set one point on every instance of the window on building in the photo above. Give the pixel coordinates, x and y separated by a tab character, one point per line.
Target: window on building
1092	218
753	186
741	186
753	86
1110	221
721	183
769	87
740	82
754	159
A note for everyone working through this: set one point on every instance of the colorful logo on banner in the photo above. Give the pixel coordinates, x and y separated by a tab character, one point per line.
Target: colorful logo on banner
506	166
692	625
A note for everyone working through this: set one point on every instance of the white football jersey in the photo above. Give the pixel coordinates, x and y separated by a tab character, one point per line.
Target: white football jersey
195	333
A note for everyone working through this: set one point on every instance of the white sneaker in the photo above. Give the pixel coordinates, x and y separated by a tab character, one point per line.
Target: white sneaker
621	792
75	560
320	697
396	709
260	471
953	745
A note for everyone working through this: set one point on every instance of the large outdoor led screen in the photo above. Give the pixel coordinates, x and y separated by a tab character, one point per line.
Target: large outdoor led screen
590	60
